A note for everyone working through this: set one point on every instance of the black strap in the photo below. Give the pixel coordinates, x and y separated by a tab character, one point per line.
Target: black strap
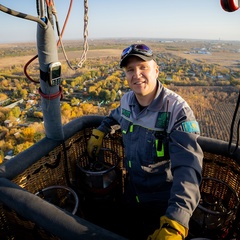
44	76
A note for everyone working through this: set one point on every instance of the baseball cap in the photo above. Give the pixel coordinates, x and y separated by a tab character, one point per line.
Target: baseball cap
139	50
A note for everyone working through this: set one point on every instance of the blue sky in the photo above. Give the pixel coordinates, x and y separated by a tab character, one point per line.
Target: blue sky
192	19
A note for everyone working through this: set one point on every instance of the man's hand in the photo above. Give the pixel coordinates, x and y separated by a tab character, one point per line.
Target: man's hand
169	230
95	142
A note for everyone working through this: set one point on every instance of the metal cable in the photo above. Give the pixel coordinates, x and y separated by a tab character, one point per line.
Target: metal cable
21	15
41	9
85	35
232	127
41	13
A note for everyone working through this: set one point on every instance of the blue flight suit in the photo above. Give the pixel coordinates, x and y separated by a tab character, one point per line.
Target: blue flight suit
162	156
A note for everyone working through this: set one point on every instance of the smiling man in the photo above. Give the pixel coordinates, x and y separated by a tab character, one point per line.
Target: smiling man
162	156
141	76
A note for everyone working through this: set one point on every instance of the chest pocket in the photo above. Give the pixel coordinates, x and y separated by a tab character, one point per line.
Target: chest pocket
139	143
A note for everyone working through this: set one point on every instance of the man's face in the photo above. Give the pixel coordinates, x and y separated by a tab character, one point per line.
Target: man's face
141	75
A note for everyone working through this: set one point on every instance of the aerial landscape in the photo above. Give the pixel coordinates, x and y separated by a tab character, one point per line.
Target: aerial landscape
119	120
205	73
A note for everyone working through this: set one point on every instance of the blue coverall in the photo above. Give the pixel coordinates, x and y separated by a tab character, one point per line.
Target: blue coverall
162	156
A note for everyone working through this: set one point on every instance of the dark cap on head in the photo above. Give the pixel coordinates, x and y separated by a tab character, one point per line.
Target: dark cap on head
138	50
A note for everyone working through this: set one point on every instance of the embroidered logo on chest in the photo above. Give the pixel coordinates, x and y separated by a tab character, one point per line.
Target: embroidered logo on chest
162	120
126	113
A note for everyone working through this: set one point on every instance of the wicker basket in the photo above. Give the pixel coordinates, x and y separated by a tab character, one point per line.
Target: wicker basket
50	163
217	209
217	213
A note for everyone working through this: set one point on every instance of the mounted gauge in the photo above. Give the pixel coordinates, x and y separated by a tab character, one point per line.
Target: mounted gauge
230	5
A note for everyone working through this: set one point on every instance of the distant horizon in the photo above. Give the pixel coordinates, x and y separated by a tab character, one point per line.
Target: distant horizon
128	38
201	20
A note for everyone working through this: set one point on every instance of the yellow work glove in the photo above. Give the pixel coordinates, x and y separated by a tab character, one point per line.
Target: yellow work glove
95	142
169	230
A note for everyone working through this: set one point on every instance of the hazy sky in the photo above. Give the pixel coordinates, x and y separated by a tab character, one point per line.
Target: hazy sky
193	19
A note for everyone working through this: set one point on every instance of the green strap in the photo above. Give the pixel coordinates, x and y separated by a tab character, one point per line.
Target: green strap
129	164
161	152
131	128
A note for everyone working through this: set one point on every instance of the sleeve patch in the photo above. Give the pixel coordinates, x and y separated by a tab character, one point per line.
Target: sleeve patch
190	126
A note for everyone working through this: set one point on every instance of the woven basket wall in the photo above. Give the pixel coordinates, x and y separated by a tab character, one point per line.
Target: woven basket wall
52	170
48	171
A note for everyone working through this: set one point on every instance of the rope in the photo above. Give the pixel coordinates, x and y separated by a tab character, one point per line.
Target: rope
41	9
52	11
85	35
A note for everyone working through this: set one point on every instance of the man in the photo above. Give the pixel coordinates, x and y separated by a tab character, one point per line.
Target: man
162	156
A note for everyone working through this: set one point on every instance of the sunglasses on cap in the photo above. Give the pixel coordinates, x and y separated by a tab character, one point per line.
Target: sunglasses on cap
138	49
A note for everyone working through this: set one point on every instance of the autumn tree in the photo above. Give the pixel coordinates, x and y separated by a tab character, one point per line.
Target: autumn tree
16	111
3	96
125	83
28	134
75	101
23	93
66	110
88	108
2	117
1	156
78	112
38	114
105	95
113	95
5	83
22	147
